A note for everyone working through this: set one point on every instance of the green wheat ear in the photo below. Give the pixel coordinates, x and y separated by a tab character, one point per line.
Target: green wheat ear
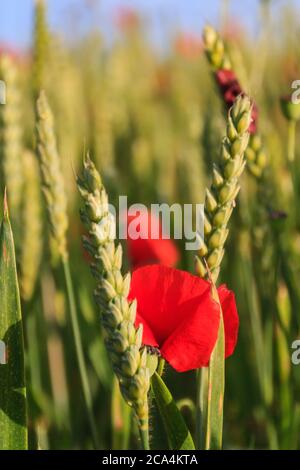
11	136
41	42
31	248
123	341
220	198
52	179
219	59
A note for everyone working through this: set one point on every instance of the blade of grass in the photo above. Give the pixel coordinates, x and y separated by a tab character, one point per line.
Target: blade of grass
216	388
179	437
13	414
79	352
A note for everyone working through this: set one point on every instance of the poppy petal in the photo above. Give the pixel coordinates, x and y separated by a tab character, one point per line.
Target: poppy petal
231	319
148	335
146	250
191	344
162	294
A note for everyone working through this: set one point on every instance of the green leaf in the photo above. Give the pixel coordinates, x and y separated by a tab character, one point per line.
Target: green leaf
179	437
13	422
215	389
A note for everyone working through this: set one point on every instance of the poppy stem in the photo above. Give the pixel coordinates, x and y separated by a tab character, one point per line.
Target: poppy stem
161	366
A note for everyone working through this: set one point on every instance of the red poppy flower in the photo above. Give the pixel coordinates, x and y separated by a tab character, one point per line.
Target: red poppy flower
126	19
180	317
230	88
188	46
147	249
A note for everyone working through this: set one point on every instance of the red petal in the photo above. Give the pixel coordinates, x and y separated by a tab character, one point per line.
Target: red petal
148	335
231	319
225	77
178	310
146	250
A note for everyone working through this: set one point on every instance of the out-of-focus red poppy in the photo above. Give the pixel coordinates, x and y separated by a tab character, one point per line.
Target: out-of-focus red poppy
127	19
188	45
148	249
180	317
233	31
230	88
12	52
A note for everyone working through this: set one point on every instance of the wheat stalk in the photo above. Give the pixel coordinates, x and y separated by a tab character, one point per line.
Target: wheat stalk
219	60
220	198
122	339
31	249
52	180
53	189
40	48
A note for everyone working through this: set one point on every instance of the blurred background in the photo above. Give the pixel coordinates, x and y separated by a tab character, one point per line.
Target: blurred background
163	18
130	81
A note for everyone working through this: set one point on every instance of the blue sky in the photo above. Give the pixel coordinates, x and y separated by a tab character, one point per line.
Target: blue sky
164	16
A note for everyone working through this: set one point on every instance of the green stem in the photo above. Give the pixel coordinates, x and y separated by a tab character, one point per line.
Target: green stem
161	366
79	351
144	435
201	390
291	141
